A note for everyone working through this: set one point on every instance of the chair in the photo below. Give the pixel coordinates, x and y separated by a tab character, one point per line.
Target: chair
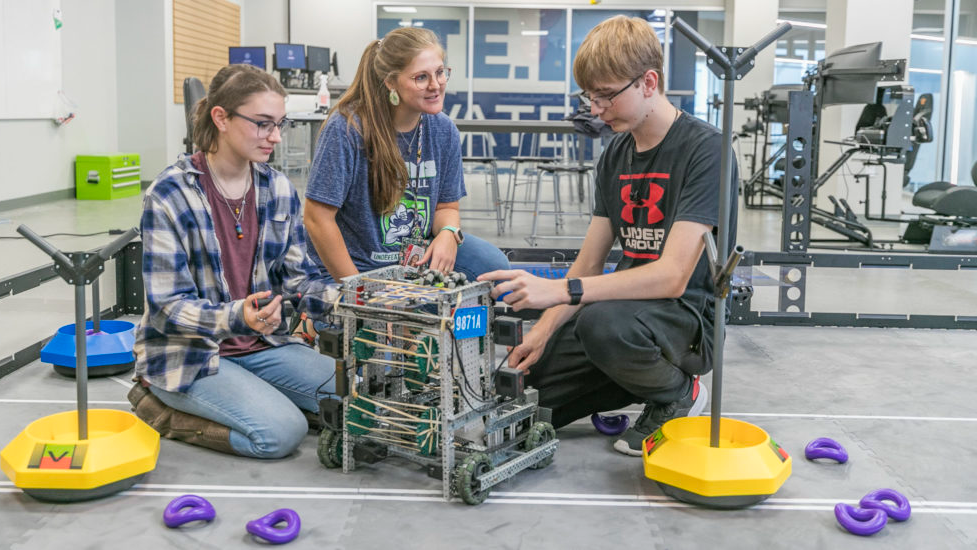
519	159
555	170
489	161
193	92
947	199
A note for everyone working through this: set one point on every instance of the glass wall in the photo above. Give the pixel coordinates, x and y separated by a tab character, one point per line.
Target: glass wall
801	48
961	133
925	76
520	66
520	70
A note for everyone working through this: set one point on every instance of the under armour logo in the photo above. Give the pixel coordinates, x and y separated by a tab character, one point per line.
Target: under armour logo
655	193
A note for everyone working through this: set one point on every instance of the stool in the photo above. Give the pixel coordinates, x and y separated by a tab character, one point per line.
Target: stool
533	157
493	182
555	169
293	151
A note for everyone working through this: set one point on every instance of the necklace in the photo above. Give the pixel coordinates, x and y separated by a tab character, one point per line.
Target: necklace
236	212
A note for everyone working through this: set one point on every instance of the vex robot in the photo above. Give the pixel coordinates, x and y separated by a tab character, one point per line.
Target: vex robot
417	375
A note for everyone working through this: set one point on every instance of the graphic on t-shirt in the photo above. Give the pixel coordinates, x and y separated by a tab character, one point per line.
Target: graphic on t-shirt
421	178
409	219
640	214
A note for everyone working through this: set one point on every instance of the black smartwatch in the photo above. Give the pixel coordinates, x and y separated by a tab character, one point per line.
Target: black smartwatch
575	289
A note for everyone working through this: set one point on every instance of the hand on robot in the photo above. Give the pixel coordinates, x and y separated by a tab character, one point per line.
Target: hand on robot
441	253
522	290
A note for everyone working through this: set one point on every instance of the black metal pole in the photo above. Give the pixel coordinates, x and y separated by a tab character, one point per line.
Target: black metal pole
81	358
96	313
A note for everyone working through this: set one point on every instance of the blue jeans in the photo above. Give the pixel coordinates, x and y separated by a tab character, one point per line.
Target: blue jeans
477	256
259	396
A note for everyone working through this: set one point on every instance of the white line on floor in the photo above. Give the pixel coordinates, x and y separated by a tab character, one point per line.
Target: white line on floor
532	498
732	414
127	384
829	416
62	401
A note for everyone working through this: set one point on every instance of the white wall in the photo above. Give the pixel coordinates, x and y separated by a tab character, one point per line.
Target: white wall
35	155
143	89
747	21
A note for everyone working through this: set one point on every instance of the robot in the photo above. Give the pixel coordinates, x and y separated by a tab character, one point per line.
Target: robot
417	376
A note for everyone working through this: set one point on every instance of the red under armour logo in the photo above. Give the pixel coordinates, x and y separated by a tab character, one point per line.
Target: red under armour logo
655	193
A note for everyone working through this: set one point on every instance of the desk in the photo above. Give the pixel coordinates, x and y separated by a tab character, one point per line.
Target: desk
314	120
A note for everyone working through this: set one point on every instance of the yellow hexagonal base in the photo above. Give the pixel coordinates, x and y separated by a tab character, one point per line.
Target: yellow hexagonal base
747	463
48	456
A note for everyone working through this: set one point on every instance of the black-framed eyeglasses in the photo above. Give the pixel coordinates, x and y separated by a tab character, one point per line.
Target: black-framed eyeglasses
423	80
265	127
605	101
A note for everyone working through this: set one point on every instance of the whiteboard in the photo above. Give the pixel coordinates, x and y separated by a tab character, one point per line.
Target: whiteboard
30	59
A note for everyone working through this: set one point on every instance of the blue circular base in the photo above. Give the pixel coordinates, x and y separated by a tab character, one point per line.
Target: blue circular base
111	346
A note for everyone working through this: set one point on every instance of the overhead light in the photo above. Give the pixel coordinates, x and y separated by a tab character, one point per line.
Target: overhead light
404	23
924	71
968	42
795	61
658	13
400	9
535	33
418	23
803	24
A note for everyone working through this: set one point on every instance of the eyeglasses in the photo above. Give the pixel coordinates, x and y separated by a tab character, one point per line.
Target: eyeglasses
423	80
605	101
265	127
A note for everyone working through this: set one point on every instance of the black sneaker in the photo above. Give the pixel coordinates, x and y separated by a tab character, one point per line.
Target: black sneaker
656	414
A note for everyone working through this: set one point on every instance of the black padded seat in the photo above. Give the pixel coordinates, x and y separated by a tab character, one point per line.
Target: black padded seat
948	199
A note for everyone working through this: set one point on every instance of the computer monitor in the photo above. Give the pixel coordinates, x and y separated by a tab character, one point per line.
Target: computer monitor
289	56
251	55
842	81
318	59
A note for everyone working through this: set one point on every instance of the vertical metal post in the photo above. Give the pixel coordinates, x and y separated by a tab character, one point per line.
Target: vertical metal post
81	358
96	312
719	327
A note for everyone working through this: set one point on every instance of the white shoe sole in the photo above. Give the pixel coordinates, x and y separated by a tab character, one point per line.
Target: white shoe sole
698	406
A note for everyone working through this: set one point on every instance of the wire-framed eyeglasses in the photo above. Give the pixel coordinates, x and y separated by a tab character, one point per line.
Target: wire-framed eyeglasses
423	80
605	101
265	127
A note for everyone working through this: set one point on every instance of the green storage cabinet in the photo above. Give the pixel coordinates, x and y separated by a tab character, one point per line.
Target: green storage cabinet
104	177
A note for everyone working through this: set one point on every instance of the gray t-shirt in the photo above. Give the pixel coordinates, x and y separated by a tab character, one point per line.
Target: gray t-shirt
339	177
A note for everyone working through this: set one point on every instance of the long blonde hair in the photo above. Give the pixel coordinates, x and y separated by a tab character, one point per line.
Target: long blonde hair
367	98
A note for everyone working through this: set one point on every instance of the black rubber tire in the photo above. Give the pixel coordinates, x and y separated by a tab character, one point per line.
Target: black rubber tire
466	477
330	449
540	433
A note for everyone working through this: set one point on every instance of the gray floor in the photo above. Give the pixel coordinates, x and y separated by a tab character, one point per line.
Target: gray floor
896	399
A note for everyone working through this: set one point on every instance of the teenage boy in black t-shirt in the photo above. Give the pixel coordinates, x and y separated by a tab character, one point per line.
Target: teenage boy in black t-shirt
644	332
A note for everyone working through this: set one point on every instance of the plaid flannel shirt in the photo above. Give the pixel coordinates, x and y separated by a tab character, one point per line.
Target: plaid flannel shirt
188	306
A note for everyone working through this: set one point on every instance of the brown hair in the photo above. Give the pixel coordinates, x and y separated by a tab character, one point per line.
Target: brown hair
230	88
619	48
367	98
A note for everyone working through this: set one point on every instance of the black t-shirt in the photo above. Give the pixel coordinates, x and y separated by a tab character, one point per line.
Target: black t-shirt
644	193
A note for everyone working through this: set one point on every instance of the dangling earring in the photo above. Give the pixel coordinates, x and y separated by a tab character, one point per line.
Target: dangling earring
394	98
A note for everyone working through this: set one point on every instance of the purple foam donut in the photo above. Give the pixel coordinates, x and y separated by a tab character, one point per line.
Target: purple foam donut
610	425
264	527
860	521
825	447
187	508
876	499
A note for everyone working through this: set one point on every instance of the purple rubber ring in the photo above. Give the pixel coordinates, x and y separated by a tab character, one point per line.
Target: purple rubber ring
860	521
187	508
610	425
264	527
825	447
875	499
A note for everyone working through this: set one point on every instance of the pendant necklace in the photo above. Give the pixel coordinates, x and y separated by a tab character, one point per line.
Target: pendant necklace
236	212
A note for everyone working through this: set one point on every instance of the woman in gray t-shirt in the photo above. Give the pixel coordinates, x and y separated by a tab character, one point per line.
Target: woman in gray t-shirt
387	174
